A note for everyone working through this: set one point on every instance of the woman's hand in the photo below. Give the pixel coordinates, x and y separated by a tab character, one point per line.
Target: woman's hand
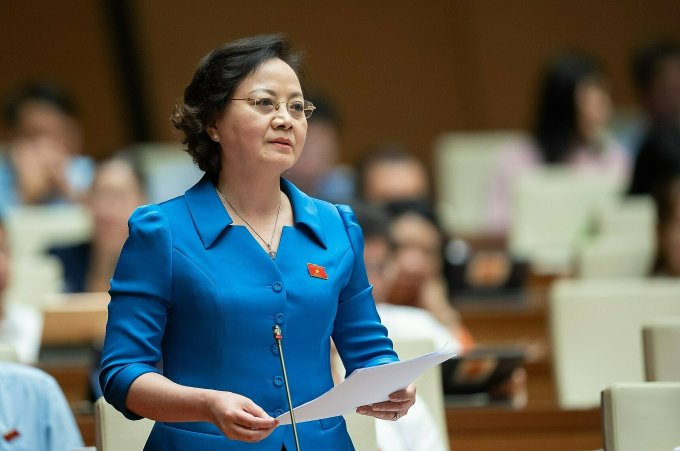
239	418
398	405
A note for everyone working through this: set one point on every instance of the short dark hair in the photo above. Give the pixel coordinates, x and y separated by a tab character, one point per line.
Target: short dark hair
387	152
218	75
374	221
556	119
646	61
40	92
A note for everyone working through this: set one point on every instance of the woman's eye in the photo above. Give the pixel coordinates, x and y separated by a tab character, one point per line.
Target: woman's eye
297	107
264	101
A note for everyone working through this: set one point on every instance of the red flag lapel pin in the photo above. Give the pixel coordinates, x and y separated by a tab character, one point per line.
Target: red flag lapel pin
10	435
317	271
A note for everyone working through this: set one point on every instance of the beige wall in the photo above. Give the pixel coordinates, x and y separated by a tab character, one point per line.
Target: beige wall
400	69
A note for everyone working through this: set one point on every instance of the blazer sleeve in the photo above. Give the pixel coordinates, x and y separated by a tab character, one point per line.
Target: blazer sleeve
359	336
140	303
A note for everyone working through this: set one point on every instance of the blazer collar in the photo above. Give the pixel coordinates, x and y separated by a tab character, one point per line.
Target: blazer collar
211	218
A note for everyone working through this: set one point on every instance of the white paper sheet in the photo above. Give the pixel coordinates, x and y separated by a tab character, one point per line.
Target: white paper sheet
365	386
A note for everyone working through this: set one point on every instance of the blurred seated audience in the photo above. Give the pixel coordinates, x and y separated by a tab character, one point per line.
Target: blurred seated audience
44	162
20	325
317	171
667	199
656	72
34	414
118	188
384	249
573	108
391	173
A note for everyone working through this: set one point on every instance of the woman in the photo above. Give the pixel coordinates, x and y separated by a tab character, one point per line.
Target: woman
204	277
572	113
118	188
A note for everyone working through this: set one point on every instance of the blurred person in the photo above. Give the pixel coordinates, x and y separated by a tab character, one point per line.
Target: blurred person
20	325
118	188
418	271
667	199
317	172
34	414
656	72
392	173
573	109
44	163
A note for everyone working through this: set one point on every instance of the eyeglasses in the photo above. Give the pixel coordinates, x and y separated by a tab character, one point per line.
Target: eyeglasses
267	105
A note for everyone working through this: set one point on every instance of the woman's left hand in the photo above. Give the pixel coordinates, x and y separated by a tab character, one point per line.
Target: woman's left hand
398	405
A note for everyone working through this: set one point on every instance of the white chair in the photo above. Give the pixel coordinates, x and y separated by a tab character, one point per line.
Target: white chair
595	329
625	240
464	165
552	213
641	416
8	353
32	230
362	430
168	169
429	385
661	344
114	432
614	257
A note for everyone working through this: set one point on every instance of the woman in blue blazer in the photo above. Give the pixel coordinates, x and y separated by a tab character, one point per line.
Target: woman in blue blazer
203	278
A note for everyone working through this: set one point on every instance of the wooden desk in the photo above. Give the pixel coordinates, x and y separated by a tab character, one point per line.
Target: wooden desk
492	323
75	319
534	428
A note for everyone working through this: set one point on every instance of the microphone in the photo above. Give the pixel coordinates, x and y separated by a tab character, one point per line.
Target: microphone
278	335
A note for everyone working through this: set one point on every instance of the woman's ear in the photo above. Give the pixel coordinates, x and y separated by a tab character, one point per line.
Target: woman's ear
211	130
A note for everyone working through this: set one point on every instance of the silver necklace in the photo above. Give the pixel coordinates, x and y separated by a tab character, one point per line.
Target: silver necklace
270	251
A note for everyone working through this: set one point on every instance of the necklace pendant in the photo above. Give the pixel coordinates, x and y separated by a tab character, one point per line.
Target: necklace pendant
272	254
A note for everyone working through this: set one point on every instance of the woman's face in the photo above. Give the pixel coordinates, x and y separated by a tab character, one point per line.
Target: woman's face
418	255
669	241
114	195
252	141
593	106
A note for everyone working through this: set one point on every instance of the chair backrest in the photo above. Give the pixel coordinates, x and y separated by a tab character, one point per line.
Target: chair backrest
429	385
641	416
114	432
8	353
464	165
625	240
614	257
31	230
661	344
362	430
595	331
553	210
168	169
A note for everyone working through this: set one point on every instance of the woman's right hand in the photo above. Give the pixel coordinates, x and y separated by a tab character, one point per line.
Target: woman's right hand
239	418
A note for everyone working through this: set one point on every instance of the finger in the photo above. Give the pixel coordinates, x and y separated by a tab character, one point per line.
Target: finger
383	415
406	394
249	435
390	406
247	420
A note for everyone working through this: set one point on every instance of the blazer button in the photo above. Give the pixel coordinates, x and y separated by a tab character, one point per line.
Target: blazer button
278	412
280	318
278	381
275	350
277	286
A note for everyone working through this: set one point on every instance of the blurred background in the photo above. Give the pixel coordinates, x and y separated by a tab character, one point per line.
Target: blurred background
401	69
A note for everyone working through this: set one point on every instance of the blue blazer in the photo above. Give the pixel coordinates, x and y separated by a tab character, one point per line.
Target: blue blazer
200	295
